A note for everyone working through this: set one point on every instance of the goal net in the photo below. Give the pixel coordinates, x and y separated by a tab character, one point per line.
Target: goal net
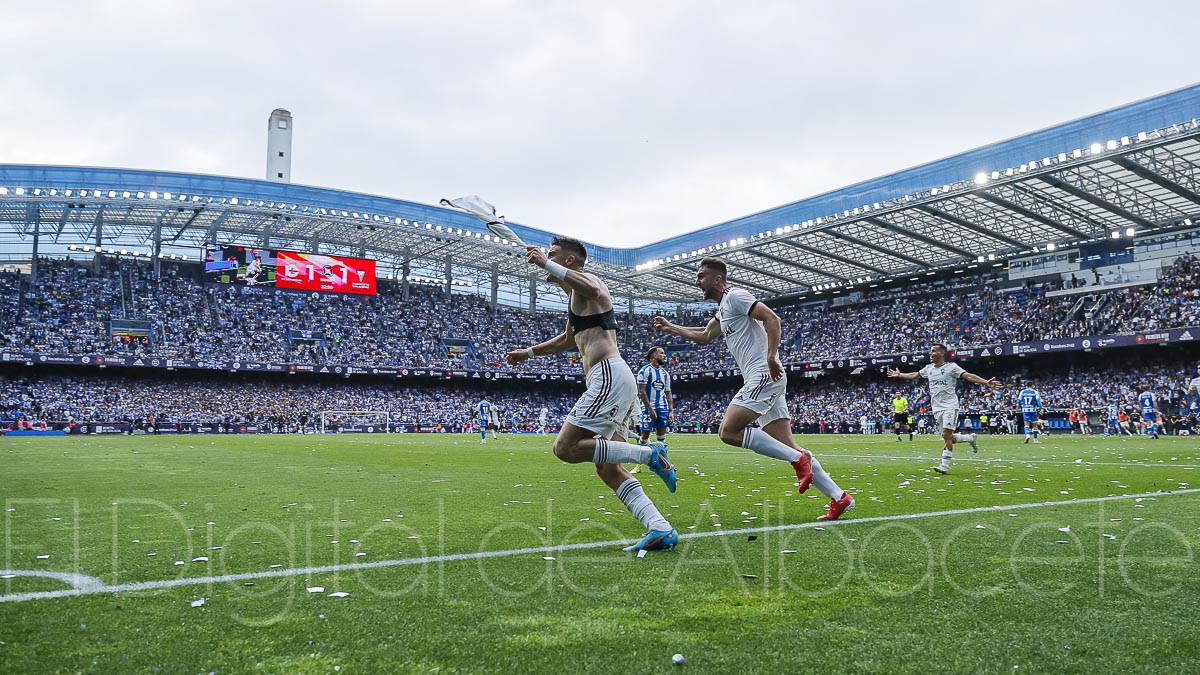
355	421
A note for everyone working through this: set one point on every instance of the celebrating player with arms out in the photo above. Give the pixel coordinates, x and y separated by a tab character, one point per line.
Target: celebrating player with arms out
594	430
752	332
944	399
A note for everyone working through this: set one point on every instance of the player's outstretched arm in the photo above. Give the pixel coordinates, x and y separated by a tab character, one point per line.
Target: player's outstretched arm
992	383
702	335
585	284
555	345
892	372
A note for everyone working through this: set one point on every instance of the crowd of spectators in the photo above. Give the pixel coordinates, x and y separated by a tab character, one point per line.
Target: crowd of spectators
69	308
843	404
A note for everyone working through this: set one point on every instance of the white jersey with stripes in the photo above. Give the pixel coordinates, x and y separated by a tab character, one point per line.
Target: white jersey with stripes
745	336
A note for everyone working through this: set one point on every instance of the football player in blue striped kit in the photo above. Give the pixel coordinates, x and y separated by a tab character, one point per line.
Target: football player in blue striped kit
654	388
1031	402
1149	406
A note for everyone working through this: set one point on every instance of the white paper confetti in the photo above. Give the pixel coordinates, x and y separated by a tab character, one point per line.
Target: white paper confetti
202	558
316	589
43	557
198	603
339	594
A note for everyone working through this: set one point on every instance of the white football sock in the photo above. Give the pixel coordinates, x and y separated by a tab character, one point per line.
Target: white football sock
617	452
824	481
762	443
634	497
947	455
964	438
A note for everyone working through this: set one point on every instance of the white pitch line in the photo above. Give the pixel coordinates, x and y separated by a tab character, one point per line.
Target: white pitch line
932	458
453	557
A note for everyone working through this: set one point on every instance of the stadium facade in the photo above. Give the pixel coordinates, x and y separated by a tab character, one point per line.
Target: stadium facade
1126	173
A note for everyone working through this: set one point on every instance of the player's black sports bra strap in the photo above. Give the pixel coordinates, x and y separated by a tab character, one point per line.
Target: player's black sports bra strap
582	322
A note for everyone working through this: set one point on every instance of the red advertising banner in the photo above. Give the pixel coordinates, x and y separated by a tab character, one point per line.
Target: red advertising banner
328	273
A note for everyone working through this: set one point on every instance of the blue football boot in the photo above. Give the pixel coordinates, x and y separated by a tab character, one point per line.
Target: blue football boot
655	540
660	465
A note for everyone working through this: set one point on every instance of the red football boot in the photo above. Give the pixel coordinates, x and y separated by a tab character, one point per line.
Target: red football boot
803	467
838	506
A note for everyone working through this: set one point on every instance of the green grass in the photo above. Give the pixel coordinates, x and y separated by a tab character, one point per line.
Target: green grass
986	591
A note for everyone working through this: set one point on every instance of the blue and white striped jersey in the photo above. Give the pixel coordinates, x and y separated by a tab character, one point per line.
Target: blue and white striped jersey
656	383
1030	400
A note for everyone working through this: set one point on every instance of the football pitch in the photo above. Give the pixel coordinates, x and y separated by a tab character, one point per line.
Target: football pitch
424	553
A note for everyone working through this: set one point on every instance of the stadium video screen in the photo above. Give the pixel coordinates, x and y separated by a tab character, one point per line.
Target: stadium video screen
288	269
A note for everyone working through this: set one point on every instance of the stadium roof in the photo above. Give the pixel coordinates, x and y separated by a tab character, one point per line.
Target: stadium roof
1130	169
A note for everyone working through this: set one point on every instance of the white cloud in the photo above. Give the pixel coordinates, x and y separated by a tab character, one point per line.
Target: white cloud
621	122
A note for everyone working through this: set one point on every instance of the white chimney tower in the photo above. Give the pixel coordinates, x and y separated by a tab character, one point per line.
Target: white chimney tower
279	146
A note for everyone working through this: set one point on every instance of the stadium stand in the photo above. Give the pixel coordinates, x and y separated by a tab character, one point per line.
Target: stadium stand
68	310
838	404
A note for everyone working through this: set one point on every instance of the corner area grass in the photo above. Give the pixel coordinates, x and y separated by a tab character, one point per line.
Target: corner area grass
1017	586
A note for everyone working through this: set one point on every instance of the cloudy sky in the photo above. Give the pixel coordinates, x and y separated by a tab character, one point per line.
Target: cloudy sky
622	122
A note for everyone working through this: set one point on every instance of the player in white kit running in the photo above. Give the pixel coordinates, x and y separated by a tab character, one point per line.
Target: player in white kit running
595	429
752	332
943	378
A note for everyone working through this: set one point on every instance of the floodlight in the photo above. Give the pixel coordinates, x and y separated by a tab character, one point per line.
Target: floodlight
1129	232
